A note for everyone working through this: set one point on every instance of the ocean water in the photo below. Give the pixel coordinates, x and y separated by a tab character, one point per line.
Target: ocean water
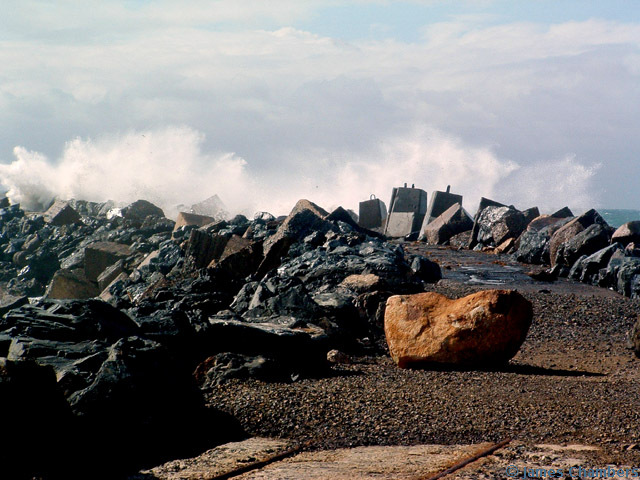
616	217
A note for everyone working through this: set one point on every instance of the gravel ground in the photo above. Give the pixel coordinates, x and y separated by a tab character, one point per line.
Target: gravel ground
574	381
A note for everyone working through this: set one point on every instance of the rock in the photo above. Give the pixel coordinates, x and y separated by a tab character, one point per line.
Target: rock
505	246
482	329
100	255
634	336
451	222
426	270
587	268
37	423
61	213
211	207
572	228
185	219
497	224
305	218
361	283
484	203
533	244
221	367
564	212
109	274
588	241
530	214
141	209
69	284
202	248
461	240
627	233
240	258
337	357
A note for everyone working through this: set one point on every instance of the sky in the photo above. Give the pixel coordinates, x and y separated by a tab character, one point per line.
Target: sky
530	103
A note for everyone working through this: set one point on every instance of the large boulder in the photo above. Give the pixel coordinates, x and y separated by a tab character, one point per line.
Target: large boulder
533	244
452	221
595	237
627	233
100	255
482	329
571	229
497	224
484	203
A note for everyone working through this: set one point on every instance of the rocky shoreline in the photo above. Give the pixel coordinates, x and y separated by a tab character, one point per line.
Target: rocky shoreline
133	339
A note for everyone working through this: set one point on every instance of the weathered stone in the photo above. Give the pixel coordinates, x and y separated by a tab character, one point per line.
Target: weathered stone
407	209
221	367
425	269
61	213
185	219
485	328
211	207
337	357
627	233
530	214
571	229
360	283
506	246
564	212
451	222
100	255
587	268
69	284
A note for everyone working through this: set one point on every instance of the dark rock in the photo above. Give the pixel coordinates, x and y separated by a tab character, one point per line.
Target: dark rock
61	213
595	237
627	233
139	210
587	268
240	258
426	270
202	248
533	244
572	228
221	367
497	224
484	203
100	255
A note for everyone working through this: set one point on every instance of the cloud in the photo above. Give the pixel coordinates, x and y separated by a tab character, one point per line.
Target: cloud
285	100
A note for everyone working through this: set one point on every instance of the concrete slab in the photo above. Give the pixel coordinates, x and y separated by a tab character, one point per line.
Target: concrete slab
440	202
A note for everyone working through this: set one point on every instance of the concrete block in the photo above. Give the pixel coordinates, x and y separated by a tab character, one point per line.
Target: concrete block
67	284
109	274
372	213
451	222
407	209
61	213
185	219
100	255
439	203
202	248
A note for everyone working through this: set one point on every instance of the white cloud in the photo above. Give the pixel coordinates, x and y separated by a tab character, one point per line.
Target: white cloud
477	100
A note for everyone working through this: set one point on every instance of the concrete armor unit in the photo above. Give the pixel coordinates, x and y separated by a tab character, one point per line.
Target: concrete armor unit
407	209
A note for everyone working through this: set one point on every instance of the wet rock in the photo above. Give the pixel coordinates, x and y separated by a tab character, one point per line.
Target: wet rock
627	233
61	213
69	284
595	237
484	203
497	224
451	222
425	269
572	228
485	328
533	244
587	268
